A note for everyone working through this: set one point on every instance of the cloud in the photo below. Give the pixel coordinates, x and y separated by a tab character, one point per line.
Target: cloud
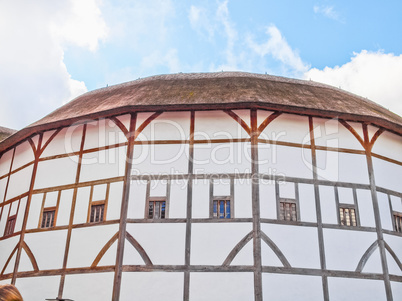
278	48
375	75
33	75
329	12
201	22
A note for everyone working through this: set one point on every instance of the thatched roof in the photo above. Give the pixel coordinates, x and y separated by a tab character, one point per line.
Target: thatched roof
5	132
214	91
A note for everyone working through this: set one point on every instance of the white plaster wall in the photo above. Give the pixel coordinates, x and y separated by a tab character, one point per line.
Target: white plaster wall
20	215
308	211
356	289
345	195
282	287
242	199
103	164
38	288
82	205
5	162
200	201
373	264
25	263
387	174
3	220
96	286
211	243
48	248
284	160
91	240
329	213
34	211
217	125
330	133
153	286
137	199
267	199
154	237
297	252
101	133
245	256
3	185
56	172
268	256
131	255
288	128
287	189
63	215
366	211
160	159
178	199
262	115
168	126
125	119
388	145
396	288
342	167
6	247
395	243
345	248
396	203
23	155
158	188
222	158
221	286
19	182
67	141
99	192
385	212
221	187
114	202
244	115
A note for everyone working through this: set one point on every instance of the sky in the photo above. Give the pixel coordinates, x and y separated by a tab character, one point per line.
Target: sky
53	51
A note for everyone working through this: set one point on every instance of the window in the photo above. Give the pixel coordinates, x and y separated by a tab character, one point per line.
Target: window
288	210
347	216
221	209
398	221
10	225
97	211
156	209
48	217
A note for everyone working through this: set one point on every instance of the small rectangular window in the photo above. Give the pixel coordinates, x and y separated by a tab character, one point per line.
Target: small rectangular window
97	212
288	210
347	216
48	218
156	209
221	209
10	225
398	221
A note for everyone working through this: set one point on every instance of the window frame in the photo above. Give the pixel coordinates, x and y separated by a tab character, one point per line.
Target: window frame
395	216
288	201
94	204
7	228
217	199
349	207
152	200
48	209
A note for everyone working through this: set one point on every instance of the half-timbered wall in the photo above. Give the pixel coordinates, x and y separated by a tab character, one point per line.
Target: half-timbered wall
225	204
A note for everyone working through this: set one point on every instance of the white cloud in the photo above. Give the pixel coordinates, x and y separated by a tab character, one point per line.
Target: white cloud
278	48
201	22
375	75
33	77
329	12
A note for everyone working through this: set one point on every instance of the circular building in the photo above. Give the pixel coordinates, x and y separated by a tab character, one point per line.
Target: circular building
219	186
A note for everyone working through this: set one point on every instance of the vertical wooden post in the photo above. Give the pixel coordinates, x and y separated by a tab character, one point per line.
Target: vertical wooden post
255	198
318	210
123	211
377	217
24	223
186	290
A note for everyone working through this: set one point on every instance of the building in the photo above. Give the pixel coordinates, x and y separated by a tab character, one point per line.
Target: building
237	186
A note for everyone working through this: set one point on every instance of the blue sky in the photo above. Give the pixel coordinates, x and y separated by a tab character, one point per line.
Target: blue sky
53	51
